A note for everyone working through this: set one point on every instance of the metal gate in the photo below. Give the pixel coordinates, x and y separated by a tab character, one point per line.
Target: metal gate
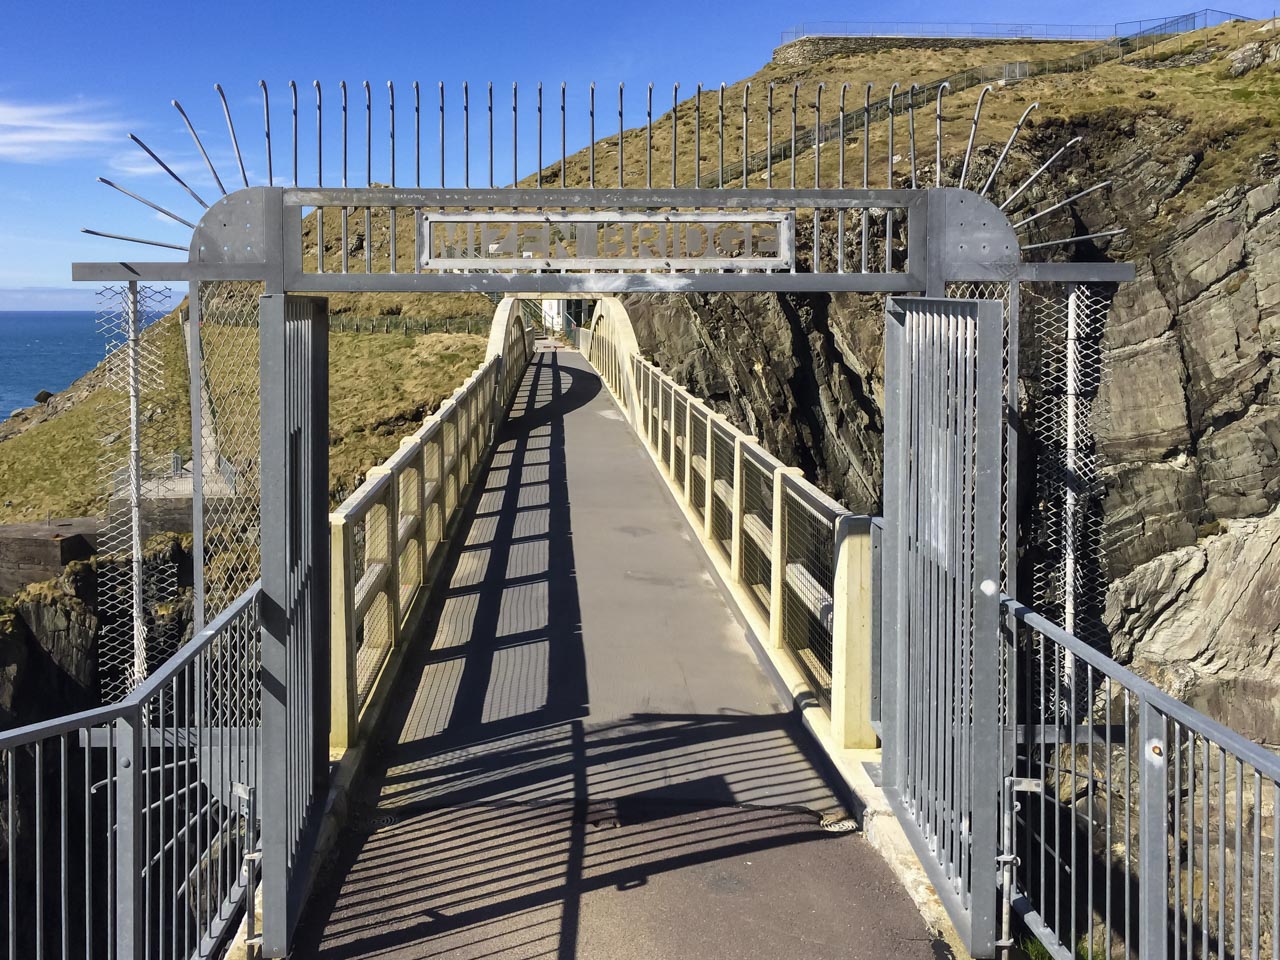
942	652
295	600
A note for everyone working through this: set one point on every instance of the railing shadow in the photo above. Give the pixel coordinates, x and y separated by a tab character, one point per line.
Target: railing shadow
493	803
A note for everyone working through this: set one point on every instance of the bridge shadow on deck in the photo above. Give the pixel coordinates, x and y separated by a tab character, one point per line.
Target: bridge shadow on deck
581	758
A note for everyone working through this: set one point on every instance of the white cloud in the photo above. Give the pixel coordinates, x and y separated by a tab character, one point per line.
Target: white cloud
135	163
40	132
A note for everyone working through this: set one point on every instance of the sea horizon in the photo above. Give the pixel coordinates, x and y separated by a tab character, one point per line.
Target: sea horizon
45	350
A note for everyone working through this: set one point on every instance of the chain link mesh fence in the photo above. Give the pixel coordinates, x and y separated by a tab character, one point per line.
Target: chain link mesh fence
143	605
230	440
1063	373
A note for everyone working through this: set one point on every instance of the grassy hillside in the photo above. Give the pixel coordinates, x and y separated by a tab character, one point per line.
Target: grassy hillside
1224	123
381	386
1218	127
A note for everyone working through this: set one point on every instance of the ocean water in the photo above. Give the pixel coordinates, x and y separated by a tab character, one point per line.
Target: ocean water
44	350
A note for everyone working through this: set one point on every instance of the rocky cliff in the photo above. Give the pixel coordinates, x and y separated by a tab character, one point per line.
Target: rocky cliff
1188	431
49	631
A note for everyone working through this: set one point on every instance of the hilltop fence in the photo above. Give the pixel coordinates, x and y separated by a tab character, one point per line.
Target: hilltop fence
342	323
998	31
1131	37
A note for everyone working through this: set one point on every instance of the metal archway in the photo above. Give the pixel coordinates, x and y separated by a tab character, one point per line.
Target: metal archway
562	239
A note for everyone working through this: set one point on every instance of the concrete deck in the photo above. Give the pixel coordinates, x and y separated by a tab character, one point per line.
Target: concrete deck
583	757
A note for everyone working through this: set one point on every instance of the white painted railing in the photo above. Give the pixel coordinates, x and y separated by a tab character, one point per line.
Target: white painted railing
385	538
800	565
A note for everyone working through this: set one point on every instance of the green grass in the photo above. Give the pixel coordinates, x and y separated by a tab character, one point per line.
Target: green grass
54	468
381	386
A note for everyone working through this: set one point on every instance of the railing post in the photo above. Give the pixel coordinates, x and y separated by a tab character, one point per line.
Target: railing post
342	631
709	480
851	633
686	485
1153	833
391	506
735	520
778	554
130	838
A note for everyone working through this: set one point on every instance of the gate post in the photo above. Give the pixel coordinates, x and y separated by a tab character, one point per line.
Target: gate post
943	651
294	384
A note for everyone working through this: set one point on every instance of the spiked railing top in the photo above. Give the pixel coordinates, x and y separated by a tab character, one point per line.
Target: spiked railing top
778	159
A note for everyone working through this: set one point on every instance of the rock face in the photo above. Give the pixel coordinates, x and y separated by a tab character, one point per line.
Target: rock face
1188	434
50	662
1204	622
48	648
1191	430
804	374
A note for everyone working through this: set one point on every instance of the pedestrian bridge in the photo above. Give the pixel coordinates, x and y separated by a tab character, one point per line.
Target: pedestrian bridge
581	754
604	678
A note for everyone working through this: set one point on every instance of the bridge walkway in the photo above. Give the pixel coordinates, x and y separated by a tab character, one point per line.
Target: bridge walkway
583	757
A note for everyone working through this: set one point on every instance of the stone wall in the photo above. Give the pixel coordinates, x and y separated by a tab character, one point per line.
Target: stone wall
32	552
808	50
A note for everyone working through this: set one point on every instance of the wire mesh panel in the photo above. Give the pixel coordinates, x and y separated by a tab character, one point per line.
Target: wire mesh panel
680	442
374	578
409	500
229	439
146	486
698	461
721	486
942	651
757	526
808	534
664	421
1064	367
450	440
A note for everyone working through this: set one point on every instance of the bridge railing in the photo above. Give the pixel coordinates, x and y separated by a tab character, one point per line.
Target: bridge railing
800	564
386	535
1154	829
128	829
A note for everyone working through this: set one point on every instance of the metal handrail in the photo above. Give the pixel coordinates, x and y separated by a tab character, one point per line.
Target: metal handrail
1254	754
125	775
43	729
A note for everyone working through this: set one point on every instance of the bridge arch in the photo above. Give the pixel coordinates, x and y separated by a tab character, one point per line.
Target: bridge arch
510	343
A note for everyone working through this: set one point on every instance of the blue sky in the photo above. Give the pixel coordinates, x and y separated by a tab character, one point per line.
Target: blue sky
78	77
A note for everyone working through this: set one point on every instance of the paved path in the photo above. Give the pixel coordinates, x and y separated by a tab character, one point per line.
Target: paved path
583	757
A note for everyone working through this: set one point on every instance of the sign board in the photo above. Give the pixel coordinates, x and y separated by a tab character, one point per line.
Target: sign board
609	241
